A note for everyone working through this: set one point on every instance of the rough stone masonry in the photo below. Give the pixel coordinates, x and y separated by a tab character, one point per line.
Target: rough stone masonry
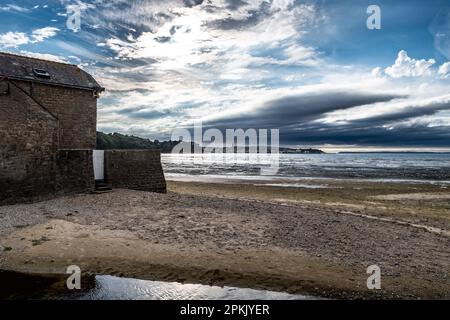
135	169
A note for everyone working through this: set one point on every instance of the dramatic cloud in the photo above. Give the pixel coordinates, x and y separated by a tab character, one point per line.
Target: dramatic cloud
416	135
294	65
407	67
300	109
391	113
314	118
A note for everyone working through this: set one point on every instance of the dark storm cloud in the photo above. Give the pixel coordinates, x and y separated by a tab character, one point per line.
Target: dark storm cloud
405	136
295	116
302	108
141	113
406	113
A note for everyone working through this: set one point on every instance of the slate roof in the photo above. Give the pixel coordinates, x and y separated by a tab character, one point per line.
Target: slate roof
17	67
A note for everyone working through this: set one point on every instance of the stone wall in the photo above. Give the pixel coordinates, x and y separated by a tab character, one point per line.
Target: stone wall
28	148
32	134
135	169
76	110
75	171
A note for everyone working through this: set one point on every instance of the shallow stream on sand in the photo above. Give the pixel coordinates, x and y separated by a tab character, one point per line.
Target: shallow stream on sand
105	287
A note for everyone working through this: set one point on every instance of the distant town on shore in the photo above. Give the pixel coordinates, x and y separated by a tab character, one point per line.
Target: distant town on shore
107	141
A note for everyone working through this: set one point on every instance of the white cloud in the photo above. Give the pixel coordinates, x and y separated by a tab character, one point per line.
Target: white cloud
405	66
13	7
16	39
377	72
45	56
301	55
13	39
40	35
195	49
444	70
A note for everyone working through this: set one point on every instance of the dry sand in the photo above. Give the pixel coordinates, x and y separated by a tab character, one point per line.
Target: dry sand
297	241
413	196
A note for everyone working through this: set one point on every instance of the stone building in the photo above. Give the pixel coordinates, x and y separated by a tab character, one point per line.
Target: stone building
48	116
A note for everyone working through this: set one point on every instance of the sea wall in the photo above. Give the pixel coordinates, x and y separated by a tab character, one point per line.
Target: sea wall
135	169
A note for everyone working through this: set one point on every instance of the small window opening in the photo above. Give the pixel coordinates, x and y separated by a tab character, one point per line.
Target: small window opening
40	73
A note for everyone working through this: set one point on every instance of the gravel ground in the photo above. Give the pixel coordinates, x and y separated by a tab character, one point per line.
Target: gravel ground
229	224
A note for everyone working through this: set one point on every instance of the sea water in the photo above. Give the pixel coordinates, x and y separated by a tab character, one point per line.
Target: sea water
296	168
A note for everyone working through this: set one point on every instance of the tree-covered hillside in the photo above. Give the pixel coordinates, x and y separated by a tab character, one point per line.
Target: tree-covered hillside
121	141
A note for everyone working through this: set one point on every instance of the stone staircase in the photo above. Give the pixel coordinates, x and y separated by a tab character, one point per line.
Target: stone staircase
102	187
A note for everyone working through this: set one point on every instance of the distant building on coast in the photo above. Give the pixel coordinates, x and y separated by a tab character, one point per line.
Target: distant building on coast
48	122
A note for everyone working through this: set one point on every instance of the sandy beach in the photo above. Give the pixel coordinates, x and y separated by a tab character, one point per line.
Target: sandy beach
315	241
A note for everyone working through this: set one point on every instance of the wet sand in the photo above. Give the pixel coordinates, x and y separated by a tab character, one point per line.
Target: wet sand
308	241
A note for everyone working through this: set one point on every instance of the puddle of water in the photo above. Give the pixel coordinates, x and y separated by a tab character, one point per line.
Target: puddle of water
109	287
104	287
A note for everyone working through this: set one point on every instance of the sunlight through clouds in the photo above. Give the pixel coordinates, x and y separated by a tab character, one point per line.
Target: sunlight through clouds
231	62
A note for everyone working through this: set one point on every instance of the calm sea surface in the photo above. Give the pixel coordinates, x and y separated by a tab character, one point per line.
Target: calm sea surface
294	168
